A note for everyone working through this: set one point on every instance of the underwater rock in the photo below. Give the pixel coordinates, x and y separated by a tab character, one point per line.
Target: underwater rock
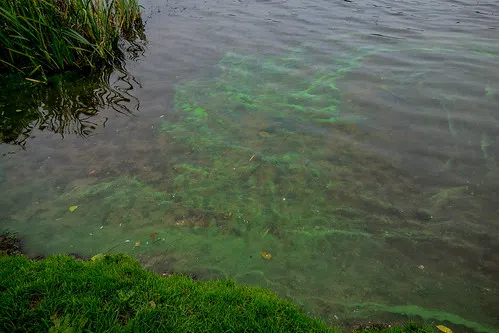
10	244
422	215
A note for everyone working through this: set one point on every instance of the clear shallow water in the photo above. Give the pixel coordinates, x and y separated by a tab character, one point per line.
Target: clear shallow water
356	142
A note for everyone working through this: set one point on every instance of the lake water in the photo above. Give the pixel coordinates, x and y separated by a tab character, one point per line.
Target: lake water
341	153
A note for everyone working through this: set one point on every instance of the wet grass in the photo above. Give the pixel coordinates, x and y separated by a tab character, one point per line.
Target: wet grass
113	293
42	36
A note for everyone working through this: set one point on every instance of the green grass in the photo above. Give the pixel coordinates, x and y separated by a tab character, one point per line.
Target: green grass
114	294
54	35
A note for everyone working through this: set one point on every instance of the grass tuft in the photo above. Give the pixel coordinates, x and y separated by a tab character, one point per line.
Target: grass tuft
41	36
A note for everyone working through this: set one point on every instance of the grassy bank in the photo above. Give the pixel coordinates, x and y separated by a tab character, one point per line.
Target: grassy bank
41	36
114	294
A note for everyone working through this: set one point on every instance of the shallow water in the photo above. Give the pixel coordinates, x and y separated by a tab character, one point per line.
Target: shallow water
354	142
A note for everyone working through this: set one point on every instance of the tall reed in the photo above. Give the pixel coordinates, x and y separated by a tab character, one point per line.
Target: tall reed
42	36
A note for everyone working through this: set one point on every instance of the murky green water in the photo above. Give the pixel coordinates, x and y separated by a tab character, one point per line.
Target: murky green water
354	143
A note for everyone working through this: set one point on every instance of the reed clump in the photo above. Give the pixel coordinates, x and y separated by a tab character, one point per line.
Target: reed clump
43	36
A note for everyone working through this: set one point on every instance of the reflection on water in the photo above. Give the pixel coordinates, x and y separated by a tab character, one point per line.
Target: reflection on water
365	166
66	105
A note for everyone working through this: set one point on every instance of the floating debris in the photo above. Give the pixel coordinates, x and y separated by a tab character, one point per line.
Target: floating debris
97	257
266	255
263	134
444	329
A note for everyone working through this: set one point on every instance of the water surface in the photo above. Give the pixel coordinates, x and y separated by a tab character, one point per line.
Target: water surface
352	143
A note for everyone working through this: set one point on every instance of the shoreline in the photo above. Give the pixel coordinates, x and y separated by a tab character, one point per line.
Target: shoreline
70	266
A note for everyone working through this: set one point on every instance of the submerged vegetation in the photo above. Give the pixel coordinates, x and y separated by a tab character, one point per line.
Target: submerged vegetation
277	158
265	174
41	36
